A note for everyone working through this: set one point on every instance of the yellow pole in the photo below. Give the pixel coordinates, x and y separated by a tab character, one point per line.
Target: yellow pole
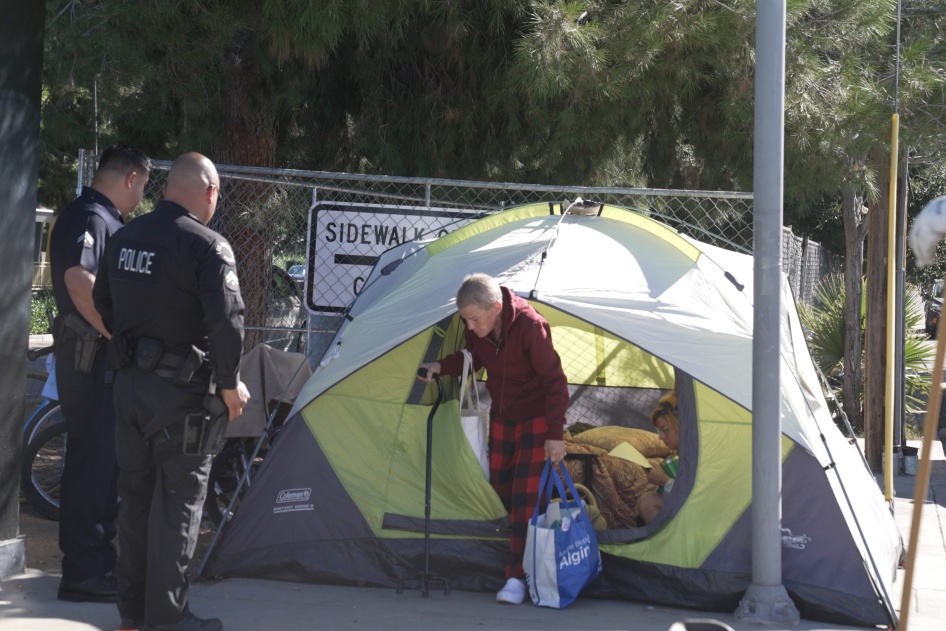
889	397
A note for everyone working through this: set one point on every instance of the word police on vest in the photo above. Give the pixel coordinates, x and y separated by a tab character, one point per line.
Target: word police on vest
138	261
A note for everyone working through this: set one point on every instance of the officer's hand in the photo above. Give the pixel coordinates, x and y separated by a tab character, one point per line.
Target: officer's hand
235	398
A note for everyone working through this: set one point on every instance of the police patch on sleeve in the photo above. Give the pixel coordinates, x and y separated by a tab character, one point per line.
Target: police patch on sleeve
231	281
87	240
225	253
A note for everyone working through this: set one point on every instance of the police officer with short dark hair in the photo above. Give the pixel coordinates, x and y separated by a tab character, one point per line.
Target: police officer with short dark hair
87	502
169	293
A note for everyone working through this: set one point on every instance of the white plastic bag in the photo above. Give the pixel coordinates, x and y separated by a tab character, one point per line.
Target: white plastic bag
474	416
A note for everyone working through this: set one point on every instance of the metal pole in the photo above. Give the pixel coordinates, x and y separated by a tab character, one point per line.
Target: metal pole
766	601
95	113
21	64
80	172
900	438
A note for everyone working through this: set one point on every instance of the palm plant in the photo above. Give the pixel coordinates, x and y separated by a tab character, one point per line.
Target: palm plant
824	320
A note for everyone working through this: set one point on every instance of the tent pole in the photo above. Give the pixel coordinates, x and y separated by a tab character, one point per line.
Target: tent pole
766	601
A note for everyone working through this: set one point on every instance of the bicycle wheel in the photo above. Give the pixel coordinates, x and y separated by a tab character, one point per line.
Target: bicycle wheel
42	470
35	381
48	413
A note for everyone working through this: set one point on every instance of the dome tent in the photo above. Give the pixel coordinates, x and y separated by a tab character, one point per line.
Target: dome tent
635	309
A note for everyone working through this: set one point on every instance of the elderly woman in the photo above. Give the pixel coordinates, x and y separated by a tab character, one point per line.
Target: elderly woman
529	394
664	418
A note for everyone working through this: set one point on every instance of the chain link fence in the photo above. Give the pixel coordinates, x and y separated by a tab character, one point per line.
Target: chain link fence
805	263
274	217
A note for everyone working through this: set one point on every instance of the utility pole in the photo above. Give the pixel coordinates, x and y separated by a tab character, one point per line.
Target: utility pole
21	65
766	601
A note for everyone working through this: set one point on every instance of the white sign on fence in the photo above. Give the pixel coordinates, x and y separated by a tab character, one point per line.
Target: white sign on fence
345	239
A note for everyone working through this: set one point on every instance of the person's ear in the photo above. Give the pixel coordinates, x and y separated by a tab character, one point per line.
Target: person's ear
130	179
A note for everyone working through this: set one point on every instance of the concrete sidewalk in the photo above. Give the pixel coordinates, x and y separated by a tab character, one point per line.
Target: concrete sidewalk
28	601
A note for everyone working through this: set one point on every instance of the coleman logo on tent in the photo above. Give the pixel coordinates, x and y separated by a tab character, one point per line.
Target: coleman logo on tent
293	495
794	541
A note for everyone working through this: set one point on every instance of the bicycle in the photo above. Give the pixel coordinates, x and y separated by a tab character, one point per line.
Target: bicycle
36	381
44	446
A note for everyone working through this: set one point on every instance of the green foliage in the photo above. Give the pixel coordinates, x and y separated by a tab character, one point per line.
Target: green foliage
571	92
39	323
560	91
918	352
824	325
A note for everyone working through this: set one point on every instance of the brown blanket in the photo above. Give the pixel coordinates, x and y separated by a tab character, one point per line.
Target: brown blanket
616	483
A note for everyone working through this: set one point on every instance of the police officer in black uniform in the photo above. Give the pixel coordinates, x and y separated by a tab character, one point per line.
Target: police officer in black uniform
169	293
87	503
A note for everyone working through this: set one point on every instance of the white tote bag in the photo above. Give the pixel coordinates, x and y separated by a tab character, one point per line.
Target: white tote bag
474	416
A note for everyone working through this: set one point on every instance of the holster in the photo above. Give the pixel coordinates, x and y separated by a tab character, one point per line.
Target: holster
204	431
87	340
190	364
147	353
120	351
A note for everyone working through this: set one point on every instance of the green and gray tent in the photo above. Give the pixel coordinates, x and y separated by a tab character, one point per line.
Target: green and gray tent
635	309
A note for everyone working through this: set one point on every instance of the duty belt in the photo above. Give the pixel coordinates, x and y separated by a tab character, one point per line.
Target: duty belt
169	366
150	356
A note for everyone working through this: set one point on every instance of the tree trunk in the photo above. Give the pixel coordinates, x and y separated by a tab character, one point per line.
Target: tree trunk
249	139
875	345
855	229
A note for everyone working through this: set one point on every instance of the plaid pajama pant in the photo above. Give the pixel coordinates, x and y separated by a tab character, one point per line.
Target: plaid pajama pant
516	458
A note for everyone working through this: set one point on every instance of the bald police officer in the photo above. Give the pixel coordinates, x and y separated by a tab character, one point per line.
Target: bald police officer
87	504
169	294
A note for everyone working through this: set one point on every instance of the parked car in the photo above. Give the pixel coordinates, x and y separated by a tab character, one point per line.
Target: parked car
297	273
934	304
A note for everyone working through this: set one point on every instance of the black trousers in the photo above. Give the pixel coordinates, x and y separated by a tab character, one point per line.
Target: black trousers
162	494
87	501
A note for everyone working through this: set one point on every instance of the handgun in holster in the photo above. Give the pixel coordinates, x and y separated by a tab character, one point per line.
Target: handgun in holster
87	338
204	431
190	364
120	351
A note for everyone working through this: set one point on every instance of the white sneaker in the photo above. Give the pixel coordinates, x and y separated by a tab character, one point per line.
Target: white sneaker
513	592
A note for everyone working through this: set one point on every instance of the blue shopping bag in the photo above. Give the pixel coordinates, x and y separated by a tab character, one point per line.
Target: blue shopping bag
561	556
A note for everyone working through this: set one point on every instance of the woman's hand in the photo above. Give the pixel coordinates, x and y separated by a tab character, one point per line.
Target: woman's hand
555	450
432	368
657	476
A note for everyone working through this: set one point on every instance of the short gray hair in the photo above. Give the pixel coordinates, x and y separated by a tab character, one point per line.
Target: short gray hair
480	290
